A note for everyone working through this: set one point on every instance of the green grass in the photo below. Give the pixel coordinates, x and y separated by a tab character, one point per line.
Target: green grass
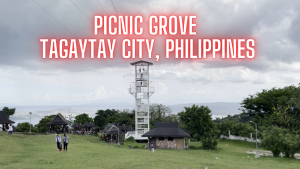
39	151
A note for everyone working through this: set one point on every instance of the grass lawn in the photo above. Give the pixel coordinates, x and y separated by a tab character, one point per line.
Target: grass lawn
39	151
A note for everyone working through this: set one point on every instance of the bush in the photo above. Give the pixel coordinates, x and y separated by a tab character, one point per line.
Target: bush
209	143
135	146
25	127
193	147
130	139
273	141
281	140
210	140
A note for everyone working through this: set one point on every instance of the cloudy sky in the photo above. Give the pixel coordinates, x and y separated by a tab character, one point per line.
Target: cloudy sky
26	79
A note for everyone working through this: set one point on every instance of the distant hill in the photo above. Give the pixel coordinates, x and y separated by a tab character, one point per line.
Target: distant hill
219	109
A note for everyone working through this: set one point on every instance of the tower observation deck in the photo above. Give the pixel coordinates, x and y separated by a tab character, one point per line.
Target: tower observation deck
142	88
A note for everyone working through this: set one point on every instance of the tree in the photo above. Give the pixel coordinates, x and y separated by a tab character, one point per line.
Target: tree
9	111
262	103
82	118
277	106
42	125
161	113
70	119
199	122
283	117
109	116
25	127
102	116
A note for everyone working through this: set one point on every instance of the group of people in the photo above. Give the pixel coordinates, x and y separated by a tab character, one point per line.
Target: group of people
59	144
9	130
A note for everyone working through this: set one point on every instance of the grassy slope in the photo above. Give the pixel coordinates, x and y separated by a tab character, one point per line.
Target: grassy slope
22	151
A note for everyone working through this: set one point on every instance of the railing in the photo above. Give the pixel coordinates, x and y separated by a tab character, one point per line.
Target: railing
141	78
142	72
142	114
141	131
232	137
140	84
151	90
129	133
141	121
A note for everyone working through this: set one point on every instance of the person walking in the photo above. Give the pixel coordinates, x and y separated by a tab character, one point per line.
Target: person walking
152	146
67	129
58	142
66	142
10	129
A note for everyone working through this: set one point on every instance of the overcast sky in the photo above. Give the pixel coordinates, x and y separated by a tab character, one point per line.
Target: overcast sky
26	79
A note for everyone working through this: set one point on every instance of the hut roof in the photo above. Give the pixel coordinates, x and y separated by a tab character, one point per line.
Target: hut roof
91	124
109	129
166	129
4	119
114	131
76	125
86	124
125	128
58	120
95	128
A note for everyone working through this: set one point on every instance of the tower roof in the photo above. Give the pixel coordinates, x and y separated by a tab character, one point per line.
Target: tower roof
4	119
142	63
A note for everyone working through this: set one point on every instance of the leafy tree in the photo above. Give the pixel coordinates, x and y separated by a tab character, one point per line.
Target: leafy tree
197	120
70	119
82	118
101	118
9	111
262	103
42	125
236	128
25	127
161	113
226	125
125	117
283	117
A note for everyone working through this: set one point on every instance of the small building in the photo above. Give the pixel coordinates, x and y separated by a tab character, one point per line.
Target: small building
167	135
4	120
114	132
60	121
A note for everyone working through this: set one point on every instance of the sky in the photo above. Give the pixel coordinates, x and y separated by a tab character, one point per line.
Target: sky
27	79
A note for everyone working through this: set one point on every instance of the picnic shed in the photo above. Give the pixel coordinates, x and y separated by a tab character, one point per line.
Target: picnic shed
4	120
167	135
58	120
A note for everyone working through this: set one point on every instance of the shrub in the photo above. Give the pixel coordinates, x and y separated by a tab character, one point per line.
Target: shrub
135	146
25	127
281	140
130	139
273	140
209	143
192	147
210	140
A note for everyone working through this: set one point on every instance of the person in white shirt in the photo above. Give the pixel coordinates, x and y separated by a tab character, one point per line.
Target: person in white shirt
58	142
66	142
10	129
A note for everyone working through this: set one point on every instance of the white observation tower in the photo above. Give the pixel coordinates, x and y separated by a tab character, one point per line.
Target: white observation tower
141	89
